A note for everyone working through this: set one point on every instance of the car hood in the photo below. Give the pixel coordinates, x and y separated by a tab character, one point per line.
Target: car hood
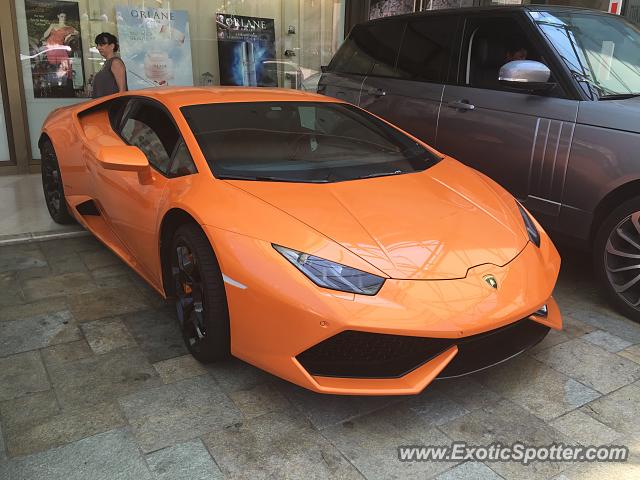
615	114
429	225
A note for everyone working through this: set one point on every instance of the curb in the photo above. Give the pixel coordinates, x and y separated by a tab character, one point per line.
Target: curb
31	237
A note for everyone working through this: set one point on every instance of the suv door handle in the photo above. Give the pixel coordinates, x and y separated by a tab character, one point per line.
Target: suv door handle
377	92
461	105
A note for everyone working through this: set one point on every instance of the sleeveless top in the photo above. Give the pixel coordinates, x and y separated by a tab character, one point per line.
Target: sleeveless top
104	83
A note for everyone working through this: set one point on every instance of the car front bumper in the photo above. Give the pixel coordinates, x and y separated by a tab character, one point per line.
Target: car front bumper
446	327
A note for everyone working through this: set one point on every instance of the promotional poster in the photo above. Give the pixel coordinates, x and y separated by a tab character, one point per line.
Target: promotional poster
247	51
55	49
155	46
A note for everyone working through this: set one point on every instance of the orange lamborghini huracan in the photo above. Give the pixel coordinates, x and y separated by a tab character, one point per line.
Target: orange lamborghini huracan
305	235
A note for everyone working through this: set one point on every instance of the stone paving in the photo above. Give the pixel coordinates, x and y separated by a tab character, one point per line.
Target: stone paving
95	383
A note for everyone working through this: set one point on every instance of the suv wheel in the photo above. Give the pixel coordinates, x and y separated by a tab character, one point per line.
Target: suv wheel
201	300
617	257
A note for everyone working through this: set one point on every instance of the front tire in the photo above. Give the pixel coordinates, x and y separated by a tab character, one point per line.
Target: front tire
201	300
52	185
617	258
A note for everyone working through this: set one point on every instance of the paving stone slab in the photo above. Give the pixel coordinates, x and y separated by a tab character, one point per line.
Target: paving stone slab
30	408
603	317
324	410
618	410
538	388
102	378
233	374
632	353
111	455
22	374
55	248
107	335
259	400
31	309
469	471
66	427
3	451
68	263
100	259
21	260
157	333
584	429
55	285
105	302
507	423
184	461
591	365
10	291
371	442
277	445
37	332
179	368
466	391
66	352
574	327
177	412
609	342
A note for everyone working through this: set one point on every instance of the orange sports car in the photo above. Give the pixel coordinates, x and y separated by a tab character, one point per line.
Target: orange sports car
304	235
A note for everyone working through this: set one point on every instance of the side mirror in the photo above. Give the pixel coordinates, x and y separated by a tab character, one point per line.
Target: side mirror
525	75
123	158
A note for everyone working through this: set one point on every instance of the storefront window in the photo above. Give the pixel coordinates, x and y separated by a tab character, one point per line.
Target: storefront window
279	43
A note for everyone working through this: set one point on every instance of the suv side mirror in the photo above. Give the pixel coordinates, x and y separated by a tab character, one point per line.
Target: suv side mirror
525	75
124	158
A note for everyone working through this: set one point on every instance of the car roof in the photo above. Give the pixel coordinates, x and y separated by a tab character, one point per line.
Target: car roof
184	96
489	9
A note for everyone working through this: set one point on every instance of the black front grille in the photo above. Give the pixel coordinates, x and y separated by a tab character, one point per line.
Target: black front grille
354	354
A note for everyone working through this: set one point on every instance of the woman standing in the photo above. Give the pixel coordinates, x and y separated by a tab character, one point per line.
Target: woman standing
112	78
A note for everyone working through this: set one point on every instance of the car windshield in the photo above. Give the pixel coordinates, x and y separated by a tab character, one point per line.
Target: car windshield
318	142
602	51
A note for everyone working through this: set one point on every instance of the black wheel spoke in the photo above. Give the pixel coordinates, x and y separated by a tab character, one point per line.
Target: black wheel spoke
189	295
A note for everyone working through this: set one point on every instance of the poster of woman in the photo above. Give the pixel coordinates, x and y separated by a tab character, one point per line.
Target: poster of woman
55	48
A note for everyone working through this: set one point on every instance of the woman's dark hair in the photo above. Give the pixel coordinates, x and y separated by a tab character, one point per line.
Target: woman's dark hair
106	38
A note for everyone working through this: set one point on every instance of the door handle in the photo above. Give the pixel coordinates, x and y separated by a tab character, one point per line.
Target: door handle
461	105
377	92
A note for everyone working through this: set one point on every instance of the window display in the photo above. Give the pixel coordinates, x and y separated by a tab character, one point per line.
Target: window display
155	46
55	48
279	43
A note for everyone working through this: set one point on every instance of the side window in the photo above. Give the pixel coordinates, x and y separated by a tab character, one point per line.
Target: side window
492	42
370	49
182	162
116	111
151	130
428	48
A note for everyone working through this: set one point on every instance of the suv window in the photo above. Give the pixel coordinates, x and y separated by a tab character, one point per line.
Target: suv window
490	43
370	49
427	48
149	128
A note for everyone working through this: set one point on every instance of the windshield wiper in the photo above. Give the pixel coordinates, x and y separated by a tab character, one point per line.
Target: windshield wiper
268	178
619	96
382	174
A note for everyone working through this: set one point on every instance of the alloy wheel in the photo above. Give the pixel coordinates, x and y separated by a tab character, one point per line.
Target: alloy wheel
52	184
622	259
189	295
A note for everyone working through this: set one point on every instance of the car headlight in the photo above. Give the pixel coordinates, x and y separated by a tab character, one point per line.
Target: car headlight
332	275
532	231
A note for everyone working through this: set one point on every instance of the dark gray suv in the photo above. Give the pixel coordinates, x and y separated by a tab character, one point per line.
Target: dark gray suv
542	99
